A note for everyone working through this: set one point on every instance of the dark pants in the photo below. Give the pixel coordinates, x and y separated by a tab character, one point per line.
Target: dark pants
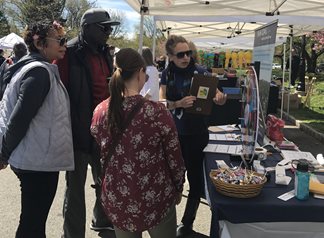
74	210
192	147
37	194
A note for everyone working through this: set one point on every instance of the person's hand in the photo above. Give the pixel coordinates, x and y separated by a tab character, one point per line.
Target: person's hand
3	165
220	98
178	198
186	102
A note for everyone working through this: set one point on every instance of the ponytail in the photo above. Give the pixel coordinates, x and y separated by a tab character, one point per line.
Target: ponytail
128	61
116	89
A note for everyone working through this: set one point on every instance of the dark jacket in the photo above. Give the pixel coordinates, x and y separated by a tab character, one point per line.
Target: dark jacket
76	74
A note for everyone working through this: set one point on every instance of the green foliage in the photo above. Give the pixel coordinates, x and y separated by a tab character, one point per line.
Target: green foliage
73	12
314	115
26	11
4	26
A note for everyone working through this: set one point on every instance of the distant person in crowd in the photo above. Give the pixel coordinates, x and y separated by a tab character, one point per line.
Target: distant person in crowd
19	50
161	63
294	67
193	48
150	89
140	153
85	71
112	50
2	58
192	128
35	126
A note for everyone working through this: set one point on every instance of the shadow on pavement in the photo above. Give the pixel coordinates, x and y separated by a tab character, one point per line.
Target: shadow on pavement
197	235
107	234
111	234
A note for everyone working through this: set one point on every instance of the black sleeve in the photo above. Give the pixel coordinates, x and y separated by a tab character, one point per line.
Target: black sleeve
33	90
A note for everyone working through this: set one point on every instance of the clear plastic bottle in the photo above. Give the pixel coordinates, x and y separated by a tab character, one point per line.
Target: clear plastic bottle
302	181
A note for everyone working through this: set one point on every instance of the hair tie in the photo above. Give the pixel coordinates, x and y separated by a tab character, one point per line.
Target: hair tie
120	69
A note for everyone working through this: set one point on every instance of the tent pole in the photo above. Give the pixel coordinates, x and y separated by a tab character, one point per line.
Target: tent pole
140	43
283	79
142	11
154	39
290	64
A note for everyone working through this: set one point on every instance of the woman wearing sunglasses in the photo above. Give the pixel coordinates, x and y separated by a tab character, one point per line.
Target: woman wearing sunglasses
192	128
35	126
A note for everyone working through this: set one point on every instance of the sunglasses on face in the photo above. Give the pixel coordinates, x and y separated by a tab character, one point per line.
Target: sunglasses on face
182	54
105	28
61	41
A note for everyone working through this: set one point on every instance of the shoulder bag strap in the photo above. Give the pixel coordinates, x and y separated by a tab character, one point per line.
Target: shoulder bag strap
117	137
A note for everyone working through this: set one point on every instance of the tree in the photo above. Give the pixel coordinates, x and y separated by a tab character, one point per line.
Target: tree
149	25
316	49
73	12
4	26
119	16
27	11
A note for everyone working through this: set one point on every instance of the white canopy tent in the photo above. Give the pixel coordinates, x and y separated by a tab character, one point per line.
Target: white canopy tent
217	19
8	42
234	29
229	7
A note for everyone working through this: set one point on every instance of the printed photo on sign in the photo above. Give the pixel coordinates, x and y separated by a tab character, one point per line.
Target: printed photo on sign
202	92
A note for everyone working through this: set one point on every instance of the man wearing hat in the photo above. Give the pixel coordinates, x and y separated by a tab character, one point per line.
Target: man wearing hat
85	71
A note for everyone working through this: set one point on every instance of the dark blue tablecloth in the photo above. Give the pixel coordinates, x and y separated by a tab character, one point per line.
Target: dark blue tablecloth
264	208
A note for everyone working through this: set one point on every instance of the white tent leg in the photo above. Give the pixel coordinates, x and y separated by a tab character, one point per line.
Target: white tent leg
140	42
290	64
283	78
154	39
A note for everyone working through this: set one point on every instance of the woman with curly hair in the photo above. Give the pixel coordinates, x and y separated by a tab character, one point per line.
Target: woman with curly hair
35	126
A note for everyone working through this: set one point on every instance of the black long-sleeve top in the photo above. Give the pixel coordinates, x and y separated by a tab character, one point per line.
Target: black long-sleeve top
33	90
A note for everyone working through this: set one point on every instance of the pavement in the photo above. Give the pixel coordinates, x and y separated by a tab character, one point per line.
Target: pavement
10	195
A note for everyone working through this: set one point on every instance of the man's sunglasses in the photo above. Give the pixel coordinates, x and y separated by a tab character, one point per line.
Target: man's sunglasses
182	54
105	28
61	41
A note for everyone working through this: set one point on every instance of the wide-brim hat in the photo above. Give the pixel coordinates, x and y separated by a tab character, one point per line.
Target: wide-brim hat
97	15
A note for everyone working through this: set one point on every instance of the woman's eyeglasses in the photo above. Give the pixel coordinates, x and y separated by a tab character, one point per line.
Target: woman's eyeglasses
105	28
182	54
61	41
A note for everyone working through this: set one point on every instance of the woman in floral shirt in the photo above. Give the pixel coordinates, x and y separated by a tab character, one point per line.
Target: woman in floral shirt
144	176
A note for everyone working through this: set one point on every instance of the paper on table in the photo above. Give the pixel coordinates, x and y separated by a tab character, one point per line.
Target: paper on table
288	195
224	137
281	177
296	155
224	149
223	128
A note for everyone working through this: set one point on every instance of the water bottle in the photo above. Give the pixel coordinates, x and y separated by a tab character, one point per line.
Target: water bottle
302	181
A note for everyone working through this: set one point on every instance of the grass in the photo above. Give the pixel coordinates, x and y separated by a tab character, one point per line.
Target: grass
313	116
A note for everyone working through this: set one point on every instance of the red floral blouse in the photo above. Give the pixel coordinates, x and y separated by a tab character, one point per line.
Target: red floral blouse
146	171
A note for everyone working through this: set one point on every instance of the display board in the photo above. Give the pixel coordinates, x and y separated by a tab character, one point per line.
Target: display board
263	52
250	111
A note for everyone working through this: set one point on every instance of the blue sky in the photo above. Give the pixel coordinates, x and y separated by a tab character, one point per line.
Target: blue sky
132	17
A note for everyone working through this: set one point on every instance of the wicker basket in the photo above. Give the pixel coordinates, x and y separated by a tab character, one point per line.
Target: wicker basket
236	190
